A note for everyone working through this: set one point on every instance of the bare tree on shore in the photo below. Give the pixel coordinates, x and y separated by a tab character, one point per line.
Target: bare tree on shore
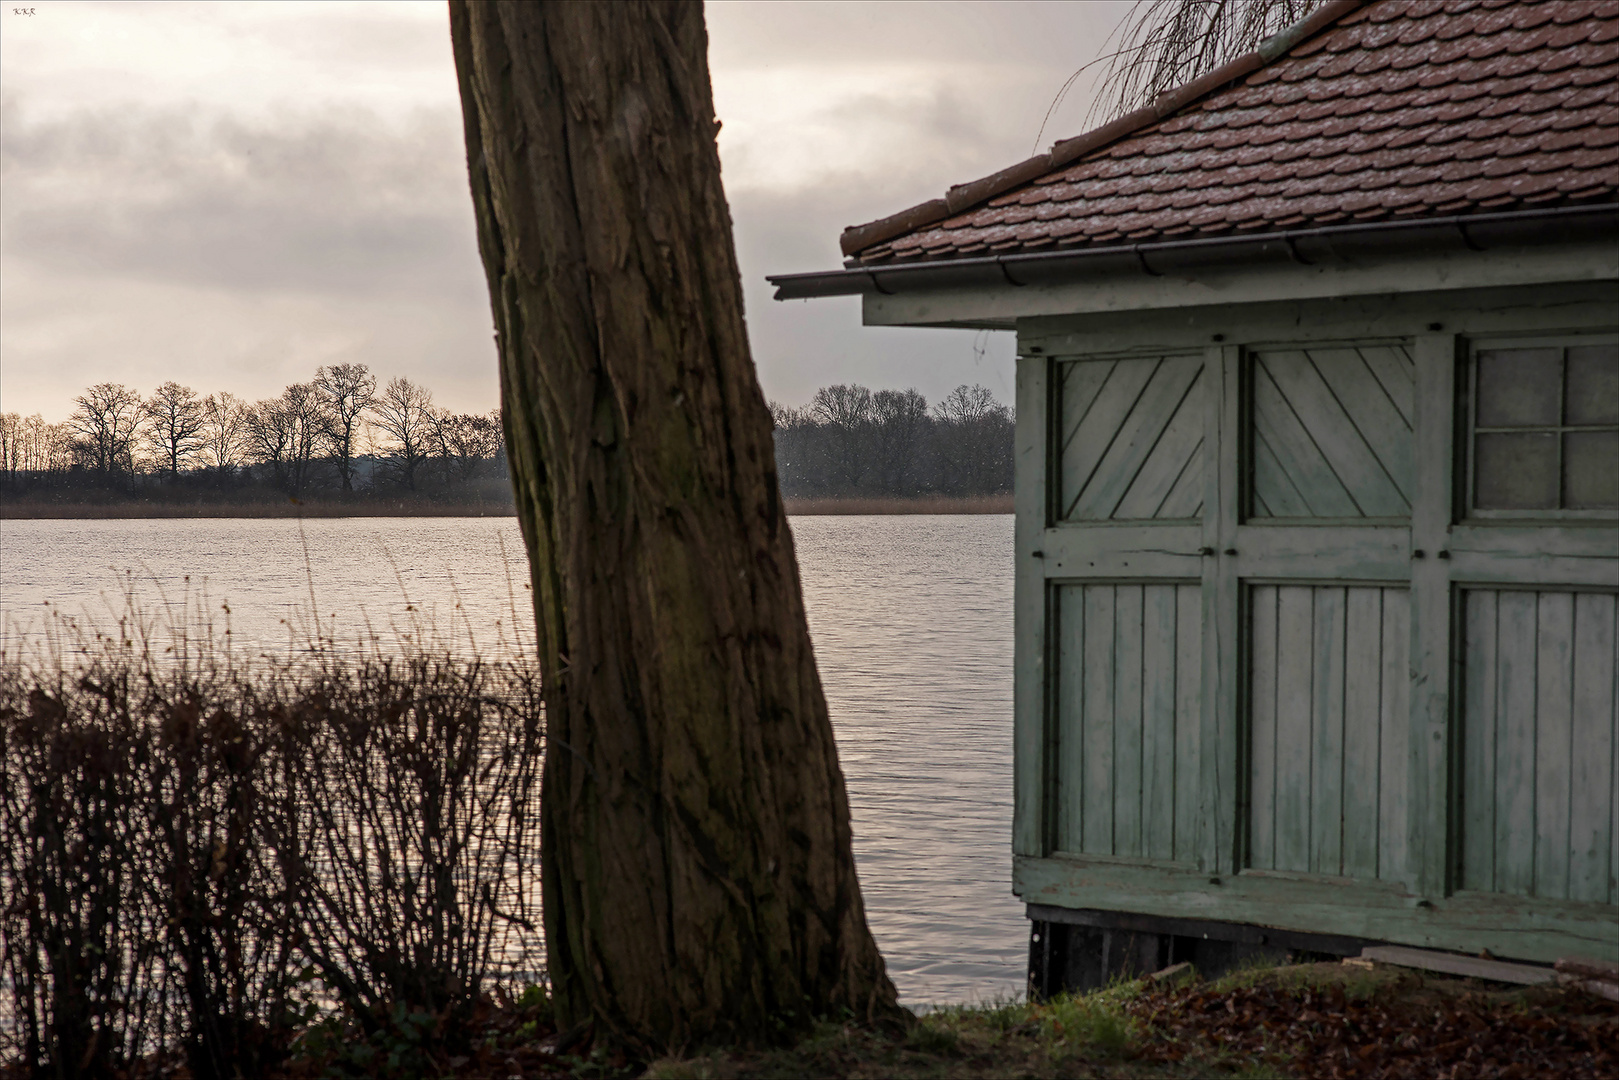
224	427
466	440
345	391
107	419
285	434
846	411
403	412
900	418
174	425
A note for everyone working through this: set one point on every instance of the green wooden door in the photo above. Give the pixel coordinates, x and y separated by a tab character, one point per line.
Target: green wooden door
1536	579
1316	554
1129	479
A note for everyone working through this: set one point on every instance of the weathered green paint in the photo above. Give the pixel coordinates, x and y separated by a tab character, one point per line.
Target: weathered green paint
1029	704
1539	712
1432	833
1130	669
1328	438
1131	434
1328	714
1365	759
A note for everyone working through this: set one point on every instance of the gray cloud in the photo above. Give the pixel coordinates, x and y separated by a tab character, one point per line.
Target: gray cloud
335	205
296	193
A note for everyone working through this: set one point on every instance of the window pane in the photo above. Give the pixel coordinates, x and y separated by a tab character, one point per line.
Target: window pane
1516	472
1593	384
1591	470
1519	387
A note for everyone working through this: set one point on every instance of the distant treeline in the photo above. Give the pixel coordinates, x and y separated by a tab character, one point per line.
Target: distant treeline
340	436
344	440
850	442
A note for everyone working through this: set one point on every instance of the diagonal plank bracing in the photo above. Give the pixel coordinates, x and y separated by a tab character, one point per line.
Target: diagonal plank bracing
1332	432
1132	439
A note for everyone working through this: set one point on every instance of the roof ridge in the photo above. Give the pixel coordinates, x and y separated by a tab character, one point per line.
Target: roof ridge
962	197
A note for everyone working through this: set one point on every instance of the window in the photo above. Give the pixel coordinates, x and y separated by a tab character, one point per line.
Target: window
1545	429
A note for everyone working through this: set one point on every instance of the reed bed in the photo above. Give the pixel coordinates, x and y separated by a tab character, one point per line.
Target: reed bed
207	856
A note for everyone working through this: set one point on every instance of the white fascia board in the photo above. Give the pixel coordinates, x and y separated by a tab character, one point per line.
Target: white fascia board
1000	306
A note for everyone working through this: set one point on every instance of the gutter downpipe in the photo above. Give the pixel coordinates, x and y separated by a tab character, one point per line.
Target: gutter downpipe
856	280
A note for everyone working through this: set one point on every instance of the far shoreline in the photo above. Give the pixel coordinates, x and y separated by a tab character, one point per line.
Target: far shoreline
35	510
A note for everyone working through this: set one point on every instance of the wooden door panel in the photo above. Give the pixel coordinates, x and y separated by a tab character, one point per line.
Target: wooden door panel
1331	432
1129	685
1539	716
1329	716
1130	439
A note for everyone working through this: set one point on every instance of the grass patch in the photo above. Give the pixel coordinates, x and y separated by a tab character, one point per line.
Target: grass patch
1263	1022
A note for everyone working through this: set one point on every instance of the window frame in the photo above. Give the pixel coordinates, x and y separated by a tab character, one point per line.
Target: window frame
1468	429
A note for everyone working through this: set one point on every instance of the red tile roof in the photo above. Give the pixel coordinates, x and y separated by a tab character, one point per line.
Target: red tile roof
1398	109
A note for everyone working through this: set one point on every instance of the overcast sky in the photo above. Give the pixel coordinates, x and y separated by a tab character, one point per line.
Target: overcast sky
231	195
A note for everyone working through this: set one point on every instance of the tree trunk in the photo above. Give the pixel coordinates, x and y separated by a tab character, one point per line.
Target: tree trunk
698	881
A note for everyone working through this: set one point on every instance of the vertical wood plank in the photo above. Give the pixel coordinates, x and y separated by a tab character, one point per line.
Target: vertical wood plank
1262	729
1127	720
1596	721
1554	702
1295	662
1069	683
1394	721
1220	790
1188	707
1363	693
1096	731
1327	733
1032	703
1430	828
1516	664
1479	739
1158	669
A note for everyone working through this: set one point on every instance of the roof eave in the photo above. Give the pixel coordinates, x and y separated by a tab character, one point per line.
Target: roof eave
1311	246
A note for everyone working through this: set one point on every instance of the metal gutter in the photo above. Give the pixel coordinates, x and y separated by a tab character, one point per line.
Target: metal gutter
1308	247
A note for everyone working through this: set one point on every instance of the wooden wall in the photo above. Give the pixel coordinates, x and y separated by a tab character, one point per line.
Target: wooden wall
1275	667
1540	813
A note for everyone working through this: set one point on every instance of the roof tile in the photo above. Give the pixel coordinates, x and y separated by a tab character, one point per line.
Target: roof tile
1398	109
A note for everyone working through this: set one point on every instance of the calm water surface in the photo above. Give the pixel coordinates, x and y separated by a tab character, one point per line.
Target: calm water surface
912	621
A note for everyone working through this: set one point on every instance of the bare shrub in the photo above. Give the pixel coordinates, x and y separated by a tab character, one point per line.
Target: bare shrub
203	854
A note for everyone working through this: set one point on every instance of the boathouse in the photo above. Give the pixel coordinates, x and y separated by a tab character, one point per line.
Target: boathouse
1317	540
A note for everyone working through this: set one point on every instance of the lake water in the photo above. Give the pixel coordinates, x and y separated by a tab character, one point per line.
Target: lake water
911	617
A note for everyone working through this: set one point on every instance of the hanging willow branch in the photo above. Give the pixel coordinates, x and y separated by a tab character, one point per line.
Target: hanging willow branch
1161	44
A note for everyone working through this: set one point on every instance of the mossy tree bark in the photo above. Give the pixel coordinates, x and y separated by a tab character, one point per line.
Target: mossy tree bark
698	881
